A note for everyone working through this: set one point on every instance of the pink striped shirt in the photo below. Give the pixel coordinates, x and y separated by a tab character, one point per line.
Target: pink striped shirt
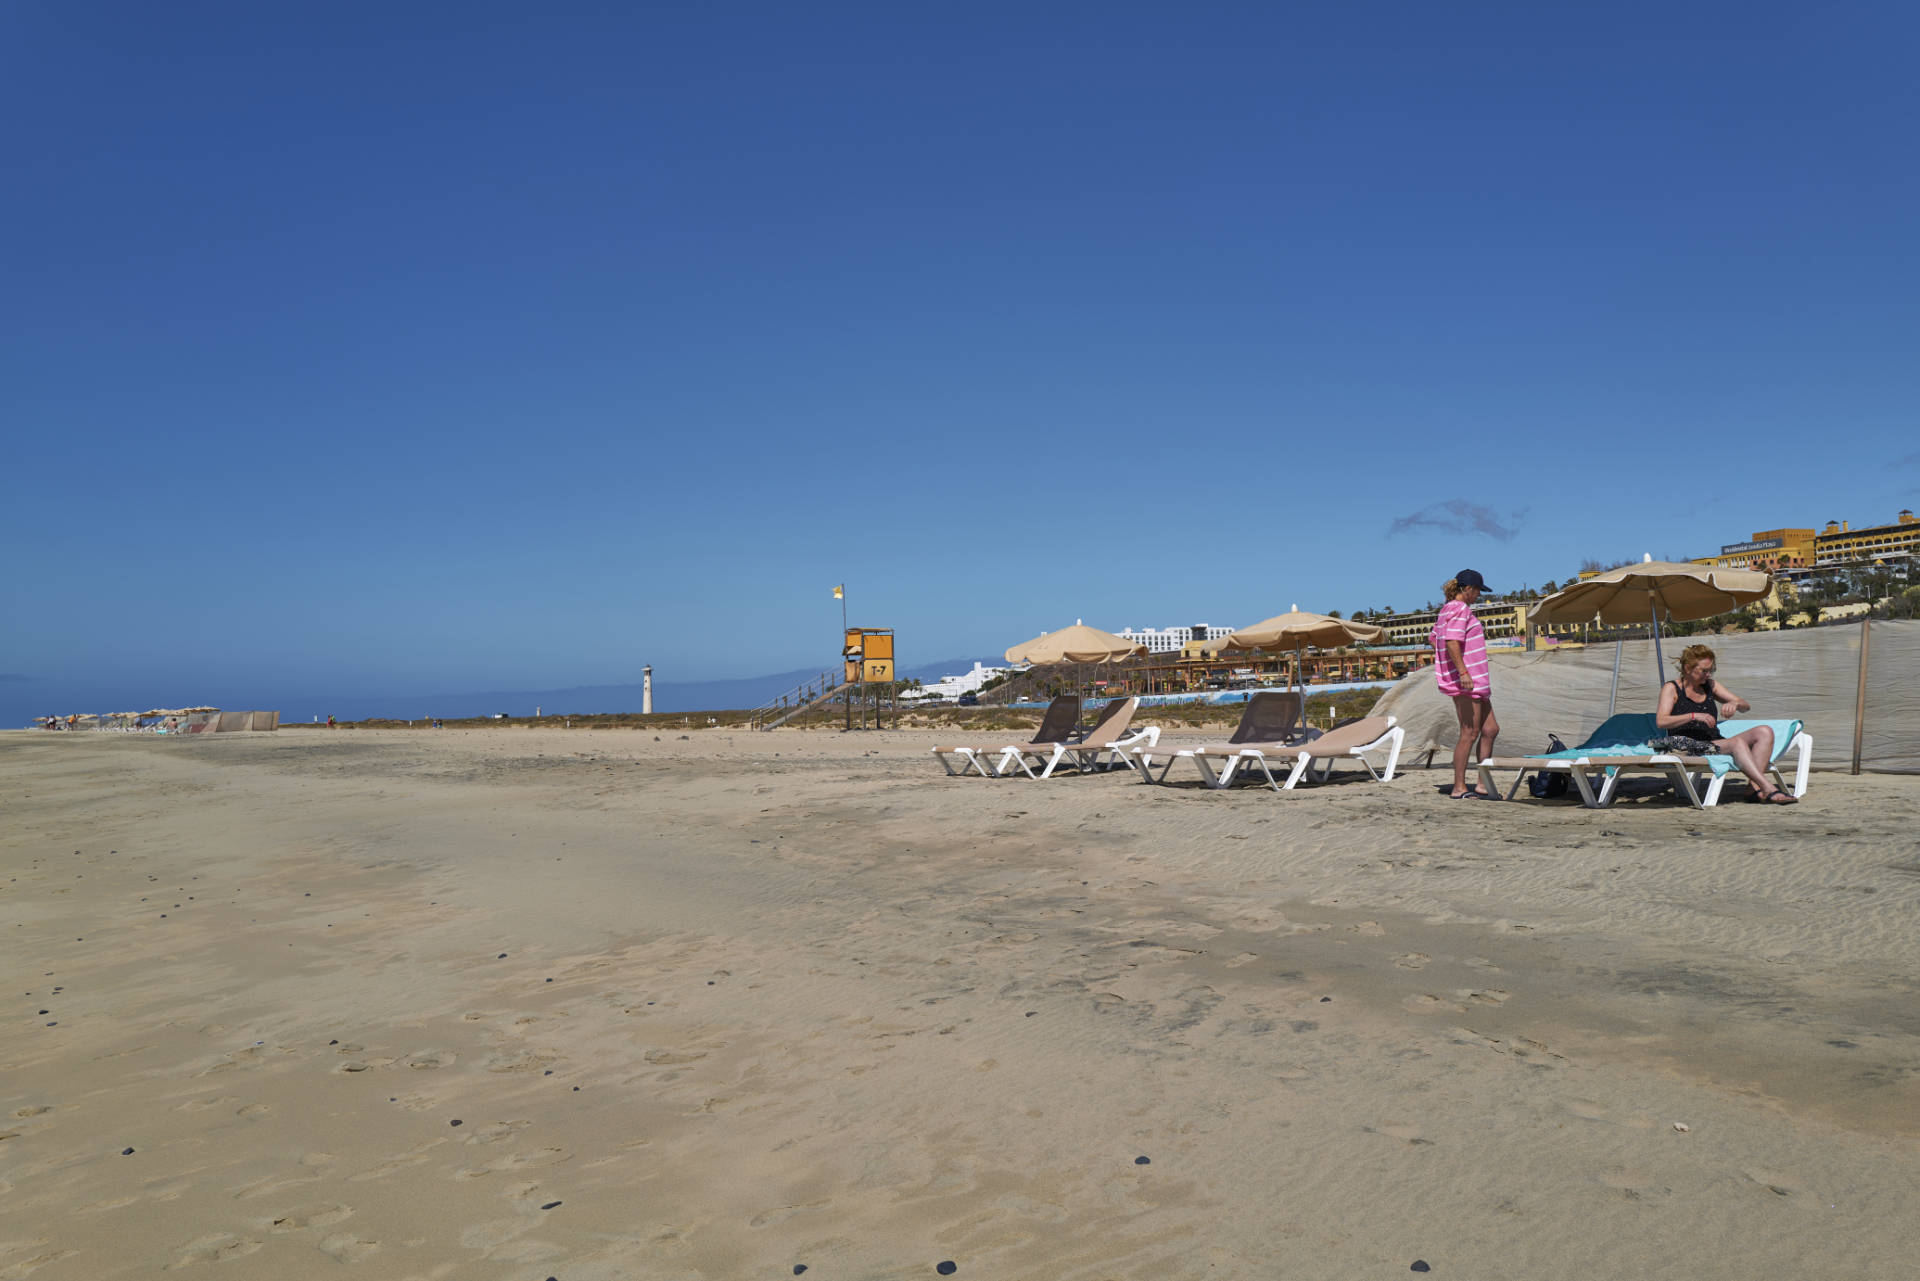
1457	621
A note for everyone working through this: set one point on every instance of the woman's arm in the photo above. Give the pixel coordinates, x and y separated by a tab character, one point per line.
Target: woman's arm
1457	655
1729	701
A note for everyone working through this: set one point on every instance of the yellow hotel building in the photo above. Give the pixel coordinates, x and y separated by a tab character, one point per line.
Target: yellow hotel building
1838	544
1500	618
1770	549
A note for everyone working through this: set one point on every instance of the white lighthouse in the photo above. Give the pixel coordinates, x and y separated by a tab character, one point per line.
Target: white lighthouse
646	690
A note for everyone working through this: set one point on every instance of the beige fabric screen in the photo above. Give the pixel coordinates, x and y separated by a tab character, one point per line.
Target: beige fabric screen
266	720
1806	673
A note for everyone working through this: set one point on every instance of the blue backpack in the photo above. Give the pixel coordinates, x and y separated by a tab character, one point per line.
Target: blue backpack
1545	785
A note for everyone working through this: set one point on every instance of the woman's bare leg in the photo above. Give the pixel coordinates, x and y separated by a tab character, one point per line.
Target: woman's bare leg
1464	708
1752	751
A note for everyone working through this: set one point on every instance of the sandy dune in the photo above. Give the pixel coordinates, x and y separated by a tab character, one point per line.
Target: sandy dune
529	1004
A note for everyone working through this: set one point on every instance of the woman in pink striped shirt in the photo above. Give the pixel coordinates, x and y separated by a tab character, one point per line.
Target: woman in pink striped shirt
1460	668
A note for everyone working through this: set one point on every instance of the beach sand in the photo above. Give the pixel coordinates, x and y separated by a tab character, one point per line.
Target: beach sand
521	1004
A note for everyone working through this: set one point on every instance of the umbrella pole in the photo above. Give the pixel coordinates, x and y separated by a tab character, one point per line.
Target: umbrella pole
1659	662
1613	695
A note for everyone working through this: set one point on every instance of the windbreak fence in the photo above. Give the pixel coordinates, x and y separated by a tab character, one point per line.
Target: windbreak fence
1810	674
184	723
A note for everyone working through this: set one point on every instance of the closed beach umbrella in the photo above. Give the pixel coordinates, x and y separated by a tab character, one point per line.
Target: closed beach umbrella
1076	644
1656	591
1300	630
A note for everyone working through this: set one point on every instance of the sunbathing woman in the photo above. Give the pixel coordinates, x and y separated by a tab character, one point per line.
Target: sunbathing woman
1689	711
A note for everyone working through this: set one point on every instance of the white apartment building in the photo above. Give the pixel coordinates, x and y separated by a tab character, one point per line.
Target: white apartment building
1169	640
954	686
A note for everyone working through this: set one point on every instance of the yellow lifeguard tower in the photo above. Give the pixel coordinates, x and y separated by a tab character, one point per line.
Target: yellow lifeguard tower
868	656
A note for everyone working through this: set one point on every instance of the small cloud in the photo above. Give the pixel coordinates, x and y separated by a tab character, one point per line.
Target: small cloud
6	677
1911	460
1458	516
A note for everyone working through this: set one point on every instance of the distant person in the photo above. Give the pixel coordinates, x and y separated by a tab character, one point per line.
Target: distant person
1460	669
329	720
1689	713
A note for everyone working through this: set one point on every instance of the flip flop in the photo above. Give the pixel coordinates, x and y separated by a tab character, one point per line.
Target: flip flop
1468	795
1778	796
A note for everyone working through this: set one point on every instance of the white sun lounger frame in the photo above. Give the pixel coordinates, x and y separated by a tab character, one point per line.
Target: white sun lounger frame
1025	756
1597	778
1303	759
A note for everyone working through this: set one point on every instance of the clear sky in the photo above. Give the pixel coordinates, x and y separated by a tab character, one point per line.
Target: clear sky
366	348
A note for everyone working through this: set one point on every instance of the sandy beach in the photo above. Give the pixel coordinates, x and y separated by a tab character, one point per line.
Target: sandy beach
523	1004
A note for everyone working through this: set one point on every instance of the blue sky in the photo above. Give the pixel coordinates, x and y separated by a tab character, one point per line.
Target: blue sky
363	348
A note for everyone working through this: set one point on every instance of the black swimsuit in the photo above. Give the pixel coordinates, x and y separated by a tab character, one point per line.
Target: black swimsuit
1683	706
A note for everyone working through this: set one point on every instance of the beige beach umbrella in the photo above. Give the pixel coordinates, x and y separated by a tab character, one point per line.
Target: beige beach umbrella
1657	591
1300	630
1076	644
1297	629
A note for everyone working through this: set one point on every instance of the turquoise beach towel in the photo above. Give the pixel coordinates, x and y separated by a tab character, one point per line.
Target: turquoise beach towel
1615	738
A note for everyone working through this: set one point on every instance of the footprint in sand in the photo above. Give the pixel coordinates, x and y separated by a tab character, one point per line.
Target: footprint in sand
309	1216
252	1110
394	1163
497	1131
522	1161
26	1267
767	1218
1633	1183
1775	1182
666	1058
1587	1110
1408	1134
347	1248
1486	996
1428	1003
1412	960
218	1248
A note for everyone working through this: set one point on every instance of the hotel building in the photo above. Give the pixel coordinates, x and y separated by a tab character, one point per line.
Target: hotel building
1838	544
1773	550
1501	619
1172	640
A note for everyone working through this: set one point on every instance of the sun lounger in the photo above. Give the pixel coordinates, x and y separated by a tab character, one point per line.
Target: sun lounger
1622	746
1059	725
1352	741
1107	738
1272	722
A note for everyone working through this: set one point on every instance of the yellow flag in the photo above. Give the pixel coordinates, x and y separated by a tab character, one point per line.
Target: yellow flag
840	592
